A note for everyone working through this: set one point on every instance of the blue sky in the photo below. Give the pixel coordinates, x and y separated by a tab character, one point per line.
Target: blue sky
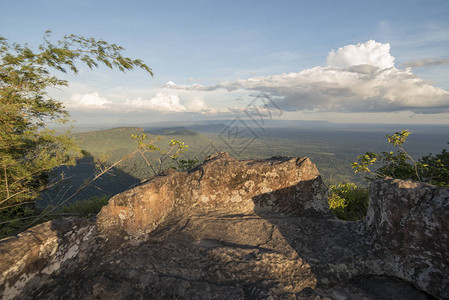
216	54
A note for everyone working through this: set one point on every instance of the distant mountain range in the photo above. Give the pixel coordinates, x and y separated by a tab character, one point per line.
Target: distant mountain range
217	125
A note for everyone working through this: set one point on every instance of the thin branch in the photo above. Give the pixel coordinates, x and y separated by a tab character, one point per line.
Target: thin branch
40	190
48	215
49	205
81	188
164	156
19	219
414	163
18	204
12	196
146	160
6	182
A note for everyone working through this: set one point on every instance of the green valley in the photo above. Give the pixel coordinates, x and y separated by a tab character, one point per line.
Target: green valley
331	149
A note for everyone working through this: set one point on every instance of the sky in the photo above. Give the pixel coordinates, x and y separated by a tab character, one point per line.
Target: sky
339	61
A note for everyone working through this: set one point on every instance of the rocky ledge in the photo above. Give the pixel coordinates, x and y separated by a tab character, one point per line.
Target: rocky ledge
230	229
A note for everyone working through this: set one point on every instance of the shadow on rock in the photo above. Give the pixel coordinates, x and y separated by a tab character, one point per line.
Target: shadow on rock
258	229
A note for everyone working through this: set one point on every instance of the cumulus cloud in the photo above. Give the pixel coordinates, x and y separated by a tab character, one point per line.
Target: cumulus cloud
427	62
198	105
370	53
160	102
88	101
358	78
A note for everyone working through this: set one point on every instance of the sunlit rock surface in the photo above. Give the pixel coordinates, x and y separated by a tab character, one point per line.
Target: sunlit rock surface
221	185
231	229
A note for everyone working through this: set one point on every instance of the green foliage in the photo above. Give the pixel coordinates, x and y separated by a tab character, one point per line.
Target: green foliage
348	201
28	149
398	138
399	164
394	164
146	145
86	208
435	169
13	220
186	164
118	143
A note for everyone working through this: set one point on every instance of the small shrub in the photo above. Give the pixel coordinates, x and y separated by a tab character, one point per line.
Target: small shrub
433	169
348	201
86	208
185	164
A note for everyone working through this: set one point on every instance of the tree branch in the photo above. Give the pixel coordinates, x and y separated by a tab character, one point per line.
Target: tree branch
6	182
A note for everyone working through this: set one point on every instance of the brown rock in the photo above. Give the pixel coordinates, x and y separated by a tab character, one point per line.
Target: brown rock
222	184
231	229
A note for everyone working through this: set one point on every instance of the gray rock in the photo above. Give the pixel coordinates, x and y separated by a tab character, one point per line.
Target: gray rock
409	222
231	229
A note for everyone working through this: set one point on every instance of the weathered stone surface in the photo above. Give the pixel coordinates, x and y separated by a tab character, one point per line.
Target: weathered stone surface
410	222
188	236
223	184
30	259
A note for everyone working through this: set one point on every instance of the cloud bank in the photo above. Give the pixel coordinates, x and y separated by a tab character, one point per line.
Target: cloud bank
357	78
89	101
161	103
427	62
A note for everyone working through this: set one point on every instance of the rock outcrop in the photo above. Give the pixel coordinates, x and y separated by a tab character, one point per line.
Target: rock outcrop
408	222
28	261
233	229
221	185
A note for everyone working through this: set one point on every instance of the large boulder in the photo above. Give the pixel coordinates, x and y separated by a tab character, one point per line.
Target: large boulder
257	229
221	184
31	259
409	222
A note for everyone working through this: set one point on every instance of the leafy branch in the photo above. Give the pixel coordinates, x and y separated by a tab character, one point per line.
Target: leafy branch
28	149
400	164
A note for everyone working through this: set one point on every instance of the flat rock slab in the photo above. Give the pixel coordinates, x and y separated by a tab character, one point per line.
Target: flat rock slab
227	257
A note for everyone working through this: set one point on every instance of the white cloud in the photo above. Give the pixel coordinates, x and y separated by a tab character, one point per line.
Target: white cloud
160	102
88	101
369	53
198	105
358	78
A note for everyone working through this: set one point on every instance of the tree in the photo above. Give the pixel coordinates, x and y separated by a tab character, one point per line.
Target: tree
400	164
29	149
350	202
